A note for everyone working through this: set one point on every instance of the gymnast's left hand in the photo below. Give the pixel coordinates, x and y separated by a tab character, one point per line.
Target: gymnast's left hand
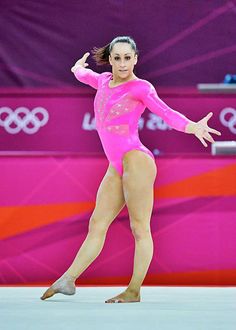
201	130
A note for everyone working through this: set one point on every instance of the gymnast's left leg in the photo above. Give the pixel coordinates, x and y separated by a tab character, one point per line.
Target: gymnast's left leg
139	173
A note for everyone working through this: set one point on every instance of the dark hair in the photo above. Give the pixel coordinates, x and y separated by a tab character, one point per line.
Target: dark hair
101	55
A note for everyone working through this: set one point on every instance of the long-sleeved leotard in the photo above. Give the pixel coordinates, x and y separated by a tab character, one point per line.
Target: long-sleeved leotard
118	109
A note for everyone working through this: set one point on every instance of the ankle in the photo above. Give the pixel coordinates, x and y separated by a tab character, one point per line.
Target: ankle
70	276
133	291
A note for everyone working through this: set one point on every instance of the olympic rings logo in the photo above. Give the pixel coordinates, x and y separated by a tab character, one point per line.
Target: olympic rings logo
30	117
231	121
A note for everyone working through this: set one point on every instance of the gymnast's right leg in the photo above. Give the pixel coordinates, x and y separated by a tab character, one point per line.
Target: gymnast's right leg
109	202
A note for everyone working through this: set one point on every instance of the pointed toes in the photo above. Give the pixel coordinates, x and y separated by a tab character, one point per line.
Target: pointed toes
113	300
47	294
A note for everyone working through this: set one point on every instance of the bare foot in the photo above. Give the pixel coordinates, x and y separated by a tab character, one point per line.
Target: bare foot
125	297
65	285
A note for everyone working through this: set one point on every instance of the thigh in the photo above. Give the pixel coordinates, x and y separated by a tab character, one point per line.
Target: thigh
139	173
109	199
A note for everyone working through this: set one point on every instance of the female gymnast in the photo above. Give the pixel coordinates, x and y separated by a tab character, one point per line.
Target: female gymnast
120	100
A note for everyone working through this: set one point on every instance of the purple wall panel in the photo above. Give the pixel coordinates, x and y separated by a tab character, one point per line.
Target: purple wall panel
180	43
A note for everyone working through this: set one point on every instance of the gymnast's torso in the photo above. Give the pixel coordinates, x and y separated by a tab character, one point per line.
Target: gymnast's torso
118	109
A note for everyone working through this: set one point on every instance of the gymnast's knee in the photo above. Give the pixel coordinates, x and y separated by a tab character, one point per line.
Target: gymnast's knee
139	229
97	226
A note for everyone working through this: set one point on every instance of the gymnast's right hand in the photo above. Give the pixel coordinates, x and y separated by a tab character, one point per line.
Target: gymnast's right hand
81	62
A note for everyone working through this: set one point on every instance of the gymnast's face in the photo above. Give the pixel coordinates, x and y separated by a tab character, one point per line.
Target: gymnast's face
122	59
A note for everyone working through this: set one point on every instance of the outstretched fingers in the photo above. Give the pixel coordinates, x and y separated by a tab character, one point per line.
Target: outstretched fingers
212	130
202	140
208	137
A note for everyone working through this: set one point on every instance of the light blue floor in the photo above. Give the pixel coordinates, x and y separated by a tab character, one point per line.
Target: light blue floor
162	308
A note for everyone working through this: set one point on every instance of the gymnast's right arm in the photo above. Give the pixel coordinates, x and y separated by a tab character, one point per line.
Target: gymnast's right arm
84	75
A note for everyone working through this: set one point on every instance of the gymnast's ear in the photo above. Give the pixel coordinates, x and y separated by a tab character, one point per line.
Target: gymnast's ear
110	59
135	59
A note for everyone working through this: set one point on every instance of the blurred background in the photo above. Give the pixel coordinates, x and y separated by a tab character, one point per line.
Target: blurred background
51	158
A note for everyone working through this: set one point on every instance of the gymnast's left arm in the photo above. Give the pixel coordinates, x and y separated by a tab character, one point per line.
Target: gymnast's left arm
176	119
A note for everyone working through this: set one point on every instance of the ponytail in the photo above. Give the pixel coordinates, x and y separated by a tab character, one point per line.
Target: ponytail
101	55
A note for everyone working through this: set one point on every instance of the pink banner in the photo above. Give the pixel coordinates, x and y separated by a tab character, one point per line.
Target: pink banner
46	203
63	120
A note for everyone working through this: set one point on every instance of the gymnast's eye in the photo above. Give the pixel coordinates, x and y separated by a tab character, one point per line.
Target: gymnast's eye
126	57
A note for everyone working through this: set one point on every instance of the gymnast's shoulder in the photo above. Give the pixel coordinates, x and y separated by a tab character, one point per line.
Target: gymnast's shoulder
141	87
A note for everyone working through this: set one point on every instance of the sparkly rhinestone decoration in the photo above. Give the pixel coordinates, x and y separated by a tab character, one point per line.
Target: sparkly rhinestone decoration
122	107
118	129
104	116
101	99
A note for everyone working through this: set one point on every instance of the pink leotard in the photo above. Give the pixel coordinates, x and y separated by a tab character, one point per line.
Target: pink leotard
118	109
